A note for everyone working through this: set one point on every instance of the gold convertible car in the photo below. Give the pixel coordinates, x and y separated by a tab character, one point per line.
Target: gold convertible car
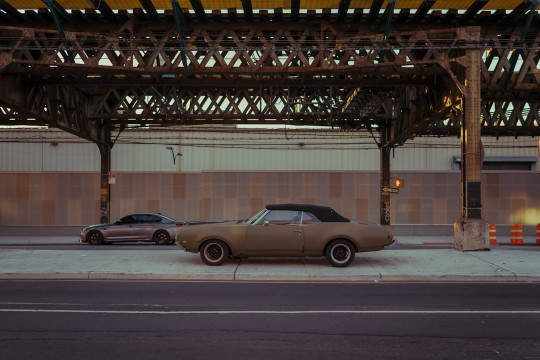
285	230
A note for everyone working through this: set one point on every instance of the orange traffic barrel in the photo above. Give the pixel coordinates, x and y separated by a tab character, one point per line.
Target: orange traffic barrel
538	234
516	235
492	234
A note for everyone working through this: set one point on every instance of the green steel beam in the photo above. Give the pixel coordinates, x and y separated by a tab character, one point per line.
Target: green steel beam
177	13
388	13
55	10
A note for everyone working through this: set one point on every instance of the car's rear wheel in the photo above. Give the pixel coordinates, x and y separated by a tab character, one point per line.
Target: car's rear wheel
95	237
340	253
214	252
161	237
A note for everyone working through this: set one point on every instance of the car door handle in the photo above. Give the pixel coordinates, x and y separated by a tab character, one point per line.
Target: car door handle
298	231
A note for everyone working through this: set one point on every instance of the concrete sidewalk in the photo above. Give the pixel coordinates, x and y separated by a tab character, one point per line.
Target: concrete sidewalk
436	262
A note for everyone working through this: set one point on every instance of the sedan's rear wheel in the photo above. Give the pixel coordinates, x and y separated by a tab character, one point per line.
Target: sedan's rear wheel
94	237
340	253
214	252
161	237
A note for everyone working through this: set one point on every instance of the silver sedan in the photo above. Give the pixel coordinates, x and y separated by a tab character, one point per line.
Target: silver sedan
135	227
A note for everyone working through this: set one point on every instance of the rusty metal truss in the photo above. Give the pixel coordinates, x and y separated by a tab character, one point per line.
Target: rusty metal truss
94	77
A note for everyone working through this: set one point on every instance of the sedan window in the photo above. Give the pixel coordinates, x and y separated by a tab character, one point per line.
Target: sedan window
152	219
127	219
280	217
309	218
137	219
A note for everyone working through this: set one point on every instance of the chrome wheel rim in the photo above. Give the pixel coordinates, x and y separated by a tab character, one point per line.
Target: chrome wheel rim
214	252
341	253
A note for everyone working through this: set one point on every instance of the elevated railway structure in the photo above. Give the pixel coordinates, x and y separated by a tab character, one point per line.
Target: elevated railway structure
396	68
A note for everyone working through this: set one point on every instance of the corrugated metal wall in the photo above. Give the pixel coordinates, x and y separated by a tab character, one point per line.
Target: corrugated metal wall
46	150
237	150
278	151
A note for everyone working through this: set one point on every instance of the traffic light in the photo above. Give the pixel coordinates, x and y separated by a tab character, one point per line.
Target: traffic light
399	182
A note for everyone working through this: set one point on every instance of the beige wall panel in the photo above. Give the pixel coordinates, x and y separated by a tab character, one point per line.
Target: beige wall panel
22	191
179	187
428	198
48	210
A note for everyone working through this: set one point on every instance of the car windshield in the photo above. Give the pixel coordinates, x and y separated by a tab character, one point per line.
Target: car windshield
260	214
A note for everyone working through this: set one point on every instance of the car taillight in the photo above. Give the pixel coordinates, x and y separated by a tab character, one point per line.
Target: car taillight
179	224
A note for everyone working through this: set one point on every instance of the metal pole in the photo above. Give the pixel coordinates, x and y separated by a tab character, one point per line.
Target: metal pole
385	175
105	187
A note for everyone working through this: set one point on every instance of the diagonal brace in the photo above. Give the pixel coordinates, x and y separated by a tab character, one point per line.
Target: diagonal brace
163	99
514	58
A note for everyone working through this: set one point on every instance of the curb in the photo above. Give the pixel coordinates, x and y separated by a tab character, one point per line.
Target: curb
271	278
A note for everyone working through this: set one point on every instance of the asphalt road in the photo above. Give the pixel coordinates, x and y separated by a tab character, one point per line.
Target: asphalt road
234	320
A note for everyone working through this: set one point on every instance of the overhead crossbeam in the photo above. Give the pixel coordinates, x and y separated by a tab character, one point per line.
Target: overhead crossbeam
376	6
10	10
295	10
117	5
519	11
199	10
475	7
150	10
105	10
342	10
423	10
248	10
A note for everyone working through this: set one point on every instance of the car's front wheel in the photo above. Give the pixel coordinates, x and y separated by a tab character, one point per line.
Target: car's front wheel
214	252
161	237
340	253
94	237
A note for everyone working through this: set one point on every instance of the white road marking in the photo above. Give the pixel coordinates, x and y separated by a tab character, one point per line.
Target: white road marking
278	312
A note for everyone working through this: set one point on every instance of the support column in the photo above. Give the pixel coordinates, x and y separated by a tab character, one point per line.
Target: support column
471	231
385	176
105	187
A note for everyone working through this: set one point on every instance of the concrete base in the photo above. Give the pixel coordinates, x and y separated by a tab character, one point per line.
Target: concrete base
471	234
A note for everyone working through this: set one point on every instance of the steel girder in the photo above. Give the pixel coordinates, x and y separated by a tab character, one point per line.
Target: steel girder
319	73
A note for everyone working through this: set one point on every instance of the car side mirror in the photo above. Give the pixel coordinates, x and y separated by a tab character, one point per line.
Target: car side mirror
266	223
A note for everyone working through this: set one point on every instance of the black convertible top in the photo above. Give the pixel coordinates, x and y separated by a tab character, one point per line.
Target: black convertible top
323	213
